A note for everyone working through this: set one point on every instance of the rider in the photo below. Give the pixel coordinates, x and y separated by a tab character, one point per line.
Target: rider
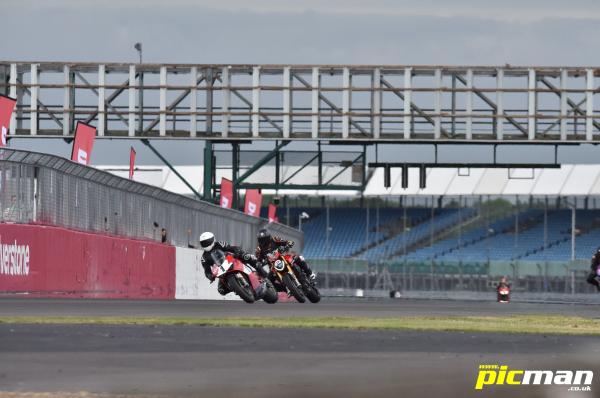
208	245
503	284
591	279
268	243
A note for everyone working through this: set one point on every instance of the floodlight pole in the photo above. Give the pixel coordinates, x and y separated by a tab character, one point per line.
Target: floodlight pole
138	47
573	232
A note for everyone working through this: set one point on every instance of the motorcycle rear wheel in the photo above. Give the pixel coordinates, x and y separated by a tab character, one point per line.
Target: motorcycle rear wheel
270	295
310	290
245	292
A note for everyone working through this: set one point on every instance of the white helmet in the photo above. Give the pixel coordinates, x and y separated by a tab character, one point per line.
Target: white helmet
207	241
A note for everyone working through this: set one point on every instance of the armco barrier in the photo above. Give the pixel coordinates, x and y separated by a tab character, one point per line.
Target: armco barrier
57	262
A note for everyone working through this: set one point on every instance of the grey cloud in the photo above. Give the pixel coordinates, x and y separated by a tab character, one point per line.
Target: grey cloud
204	35
489	9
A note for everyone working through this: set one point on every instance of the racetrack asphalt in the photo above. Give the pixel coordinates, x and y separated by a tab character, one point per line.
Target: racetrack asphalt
326	308
197	361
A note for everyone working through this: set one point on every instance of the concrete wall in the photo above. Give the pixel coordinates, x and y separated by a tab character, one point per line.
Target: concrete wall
57	262
190	282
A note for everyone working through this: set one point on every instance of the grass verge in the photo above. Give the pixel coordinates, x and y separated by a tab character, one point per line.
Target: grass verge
541	324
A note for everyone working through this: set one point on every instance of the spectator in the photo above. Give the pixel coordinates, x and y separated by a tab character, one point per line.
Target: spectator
154	229
163	235
190	245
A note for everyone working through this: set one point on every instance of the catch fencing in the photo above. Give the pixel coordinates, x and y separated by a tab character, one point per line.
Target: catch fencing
549	278
50	190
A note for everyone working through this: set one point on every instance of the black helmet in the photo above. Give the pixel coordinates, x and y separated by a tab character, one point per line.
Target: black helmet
264	237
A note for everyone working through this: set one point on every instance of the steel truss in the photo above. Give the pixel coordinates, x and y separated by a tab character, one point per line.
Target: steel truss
251	175
287	102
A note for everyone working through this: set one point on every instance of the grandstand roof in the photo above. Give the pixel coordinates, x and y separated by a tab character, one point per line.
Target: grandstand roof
568	180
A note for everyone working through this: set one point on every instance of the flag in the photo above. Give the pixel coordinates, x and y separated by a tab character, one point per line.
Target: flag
131	162
83	143
273	213
7	105
253	202
226	193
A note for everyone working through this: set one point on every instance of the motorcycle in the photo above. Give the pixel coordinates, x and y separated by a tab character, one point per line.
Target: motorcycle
504	294
281	268
597	277
242	279
308	287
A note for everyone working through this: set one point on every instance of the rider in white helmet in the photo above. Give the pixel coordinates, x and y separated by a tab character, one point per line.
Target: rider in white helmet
208	244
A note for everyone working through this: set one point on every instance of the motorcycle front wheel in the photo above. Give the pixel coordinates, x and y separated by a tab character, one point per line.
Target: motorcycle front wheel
293	288
244	290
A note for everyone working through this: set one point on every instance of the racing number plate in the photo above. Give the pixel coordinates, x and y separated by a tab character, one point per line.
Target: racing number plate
279	265
225	265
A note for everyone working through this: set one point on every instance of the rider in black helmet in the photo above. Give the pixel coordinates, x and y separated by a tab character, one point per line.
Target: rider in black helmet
268	243
593	275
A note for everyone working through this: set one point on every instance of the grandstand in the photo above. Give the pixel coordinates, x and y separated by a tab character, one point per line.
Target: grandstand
519	236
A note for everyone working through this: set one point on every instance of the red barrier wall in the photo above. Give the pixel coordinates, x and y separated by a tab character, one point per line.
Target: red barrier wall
57	262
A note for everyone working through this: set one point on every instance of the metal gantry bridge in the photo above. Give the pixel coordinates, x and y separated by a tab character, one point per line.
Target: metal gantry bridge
352	103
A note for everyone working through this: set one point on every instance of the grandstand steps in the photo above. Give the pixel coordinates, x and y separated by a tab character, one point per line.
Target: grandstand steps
527	224
439	234
523	225
467	243
391	229
475	230
541	248
474	223
467	224
586	229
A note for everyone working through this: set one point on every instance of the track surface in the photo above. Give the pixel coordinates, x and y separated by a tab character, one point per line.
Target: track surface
194	361
331	307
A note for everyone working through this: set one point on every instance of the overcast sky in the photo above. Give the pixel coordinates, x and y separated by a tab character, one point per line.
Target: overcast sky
481	32
537	32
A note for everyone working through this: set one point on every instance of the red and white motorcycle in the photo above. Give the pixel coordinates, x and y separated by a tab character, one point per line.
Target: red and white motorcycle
504	294
242	279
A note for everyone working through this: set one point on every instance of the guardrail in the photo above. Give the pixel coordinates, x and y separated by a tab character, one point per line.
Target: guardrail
47	189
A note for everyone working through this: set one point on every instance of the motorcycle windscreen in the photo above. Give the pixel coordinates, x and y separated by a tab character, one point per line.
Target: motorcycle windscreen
220	261
217	256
